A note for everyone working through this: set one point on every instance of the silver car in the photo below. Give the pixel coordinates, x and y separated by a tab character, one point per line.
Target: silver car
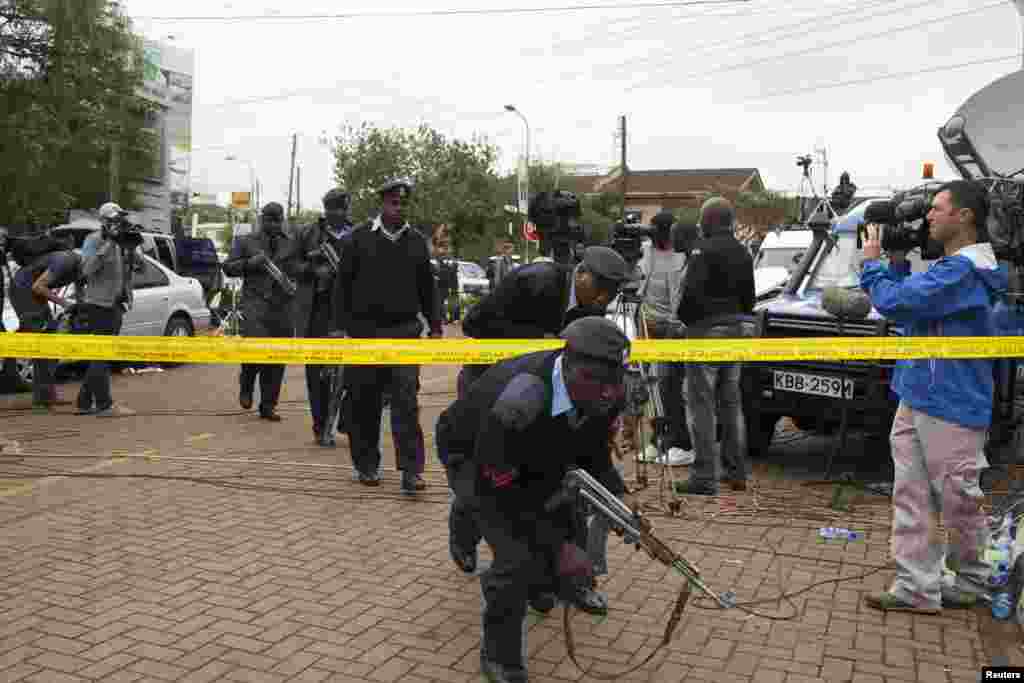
166	304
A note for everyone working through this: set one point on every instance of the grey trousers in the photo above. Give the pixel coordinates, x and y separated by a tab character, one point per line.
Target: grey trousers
937	469
714	397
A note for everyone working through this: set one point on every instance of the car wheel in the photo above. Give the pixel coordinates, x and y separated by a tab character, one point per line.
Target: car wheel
760	432
178	326
16	375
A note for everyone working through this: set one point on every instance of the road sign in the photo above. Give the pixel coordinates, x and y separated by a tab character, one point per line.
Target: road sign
530	232
240	200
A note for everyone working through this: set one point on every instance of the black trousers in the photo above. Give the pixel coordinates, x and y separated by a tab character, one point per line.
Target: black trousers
92	319
524	566
260	321
463	530
34	316
367	384
317	386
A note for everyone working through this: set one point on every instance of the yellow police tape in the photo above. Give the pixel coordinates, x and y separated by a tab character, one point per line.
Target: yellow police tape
483	351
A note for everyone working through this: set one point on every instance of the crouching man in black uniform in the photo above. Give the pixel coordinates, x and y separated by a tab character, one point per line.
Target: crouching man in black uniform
508	443
538	300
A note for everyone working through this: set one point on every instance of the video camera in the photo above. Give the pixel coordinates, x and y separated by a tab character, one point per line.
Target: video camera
627	239
124	233
556	215
904	221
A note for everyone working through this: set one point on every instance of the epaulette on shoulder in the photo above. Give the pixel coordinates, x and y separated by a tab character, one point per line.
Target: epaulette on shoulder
521	402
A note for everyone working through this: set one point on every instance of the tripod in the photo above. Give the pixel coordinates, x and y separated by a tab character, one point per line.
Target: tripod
643	384
806	191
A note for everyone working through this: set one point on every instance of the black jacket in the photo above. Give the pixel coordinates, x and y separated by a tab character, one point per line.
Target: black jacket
528	303
259	289
504	428
310	238
719	282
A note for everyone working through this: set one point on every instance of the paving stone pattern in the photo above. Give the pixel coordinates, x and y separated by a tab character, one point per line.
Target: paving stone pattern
213	571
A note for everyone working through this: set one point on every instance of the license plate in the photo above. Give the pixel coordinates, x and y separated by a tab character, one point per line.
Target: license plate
816	385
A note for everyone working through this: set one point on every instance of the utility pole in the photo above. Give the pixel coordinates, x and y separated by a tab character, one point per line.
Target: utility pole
291	175
298	190
624	167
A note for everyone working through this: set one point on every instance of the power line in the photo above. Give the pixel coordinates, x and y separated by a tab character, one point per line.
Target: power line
693	76
886	77
444	12
791	29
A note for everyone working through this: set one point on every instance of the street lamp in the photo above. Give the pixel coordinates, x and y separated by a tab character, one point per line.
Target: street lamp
254	182
524	191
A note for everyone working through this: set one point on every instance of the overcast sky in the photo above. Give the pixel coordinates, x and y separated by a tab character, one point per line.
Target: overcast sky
701	86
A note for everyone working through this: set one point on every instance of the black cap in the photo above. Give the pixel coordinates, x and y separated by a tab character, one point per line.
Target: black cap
598	338
336	198
607	263
398	185
684	236
663	220
273	210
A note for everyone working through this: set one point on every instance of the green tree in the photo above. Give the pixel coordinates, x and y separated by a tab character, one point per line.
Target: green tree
455	179
226	235
70	71
306	217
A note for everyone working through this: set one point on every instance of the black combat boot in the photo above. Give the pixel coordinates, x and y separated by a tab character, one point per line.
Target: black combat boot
499	673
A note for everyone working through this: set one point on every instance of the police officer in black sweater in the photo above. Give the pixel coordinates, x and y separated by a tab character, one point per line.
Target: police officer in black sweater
385	283
509	442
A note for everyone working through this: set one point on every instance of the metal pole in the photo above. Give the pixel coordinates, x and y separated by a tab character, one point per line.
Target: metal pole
1020	10
254	199
291	176
625	168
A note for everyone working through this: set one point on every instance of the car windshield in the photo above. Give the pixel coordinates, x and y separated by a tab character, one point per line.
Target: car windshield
778	258
471	270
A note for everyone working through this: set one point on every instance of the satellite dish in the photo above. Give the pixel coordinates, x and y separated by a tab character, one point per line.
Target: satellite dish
988	129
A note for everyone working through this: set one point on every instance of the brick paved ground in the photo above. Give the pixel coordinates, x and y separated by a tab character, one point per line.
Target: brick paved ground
202	571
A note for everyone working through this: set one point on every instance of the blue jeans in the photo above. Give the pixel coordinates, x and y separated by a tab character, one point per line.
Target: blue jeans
713	398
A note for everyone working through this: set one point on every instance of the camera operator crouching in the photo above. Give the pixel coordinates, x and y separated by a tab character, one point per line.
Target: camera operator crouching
938	434
109	258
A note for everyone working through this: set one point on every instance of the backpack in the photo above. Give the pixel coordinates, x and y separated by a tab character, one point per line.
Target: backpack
26	250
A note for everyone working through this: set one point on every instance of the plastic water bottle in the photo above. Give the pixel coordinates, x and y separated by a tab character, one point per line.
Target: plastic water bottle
999	557
1002	605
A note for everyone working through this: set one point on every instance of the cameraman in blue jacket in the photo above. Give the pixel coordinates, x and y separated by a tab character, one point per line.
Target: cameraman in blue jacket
938	434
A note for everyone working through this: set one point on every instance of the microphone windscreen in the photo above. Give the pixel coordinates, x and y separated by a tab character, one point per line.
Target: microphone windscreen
846	303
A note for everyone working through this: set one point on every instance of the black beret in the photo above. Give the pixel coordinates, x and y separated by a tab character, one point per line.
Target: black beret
336	198
597	338
607	263
273	210
401	184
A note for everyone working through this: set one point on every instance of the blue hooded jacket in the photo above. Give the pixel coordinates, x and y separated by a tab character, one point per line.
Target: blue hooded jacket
953	298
